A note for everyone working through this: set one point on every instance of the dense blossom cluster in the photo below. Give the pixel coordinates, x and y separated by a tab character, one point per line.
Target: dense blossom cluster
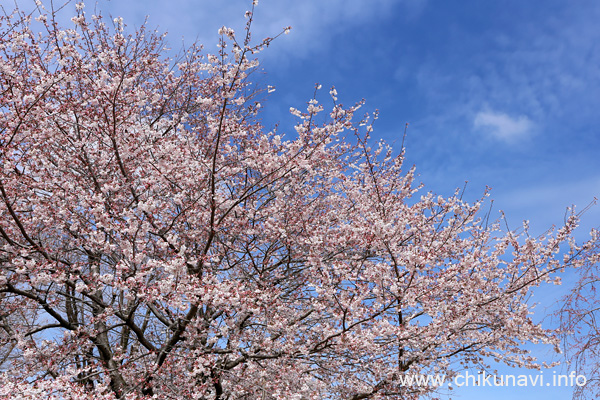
157	242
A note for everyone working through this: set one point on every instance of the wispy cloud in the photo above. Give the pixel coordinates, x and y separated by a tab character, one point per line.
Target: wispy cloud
314	22
503	126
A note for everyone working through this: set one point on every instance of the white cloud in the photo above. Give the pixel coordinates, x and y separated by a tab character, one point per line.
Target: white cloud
314	22
503	126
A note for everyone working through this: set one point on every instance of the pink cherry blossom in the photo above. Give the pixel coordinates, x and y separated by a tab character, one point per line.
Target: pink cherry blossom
157	242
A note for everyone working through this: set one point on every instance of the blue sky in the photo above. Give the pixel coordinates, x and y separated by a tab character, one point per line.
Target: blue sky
497	93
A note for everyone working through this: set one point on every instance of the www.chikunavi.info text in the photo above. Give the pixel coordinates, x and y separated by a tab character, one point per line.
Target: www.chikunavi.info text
484	378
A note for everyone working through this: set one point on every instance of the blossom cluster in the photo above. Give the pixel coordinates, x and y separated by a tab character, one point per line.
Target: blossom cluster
156	241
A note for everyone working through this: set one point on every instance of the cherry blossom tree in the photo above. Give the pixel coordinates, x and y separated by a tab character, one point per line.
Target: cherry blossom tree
581	328
156	241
